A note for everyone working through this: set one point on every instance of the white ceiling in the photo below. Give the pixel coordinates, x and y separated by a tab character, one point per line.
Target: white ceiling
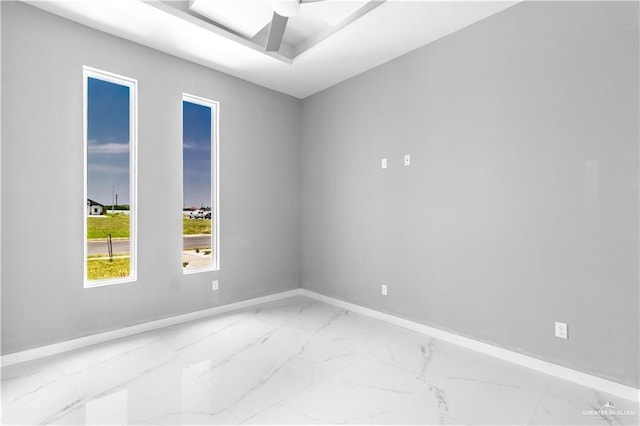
386	32
314	21
245	17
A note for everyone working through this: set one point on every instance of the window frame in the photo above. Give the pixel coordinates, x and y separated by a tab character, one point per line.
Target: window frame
215	177
132	84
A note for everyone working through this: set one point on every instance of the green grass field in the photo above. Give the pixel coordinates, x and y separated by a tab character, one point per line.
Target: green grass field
99	227
118	225
99	268
196	226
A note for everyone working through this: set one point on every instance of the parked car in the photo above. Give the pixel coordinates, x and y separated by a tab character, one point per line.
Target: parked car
196	214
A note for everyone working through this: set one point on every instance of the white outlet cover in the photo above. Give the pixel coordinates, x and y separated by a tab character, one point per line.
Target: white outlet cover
214	285
407	160
383	163
562	330
384	290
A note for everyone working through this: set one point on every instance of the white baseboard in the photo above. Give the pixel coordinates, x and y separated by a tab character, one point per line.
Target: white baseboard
564	373
69	345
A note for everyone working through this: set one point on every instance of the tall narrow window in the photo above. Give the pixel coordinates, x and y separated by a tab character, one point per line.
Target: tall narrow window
200	222
110	178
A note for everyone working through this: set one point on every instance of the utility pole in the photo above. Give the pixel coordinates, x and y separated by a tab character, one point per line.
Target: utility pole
113	197
116	200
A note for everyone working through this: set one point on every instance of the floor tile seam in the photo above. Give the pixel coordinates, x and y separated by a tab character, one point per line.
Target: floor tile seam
310	385
85	397
205	382
297	357
544	393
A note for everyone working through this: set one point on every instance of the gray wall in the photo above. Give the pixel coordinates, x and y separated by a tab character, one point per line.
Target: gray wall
520	207
43	299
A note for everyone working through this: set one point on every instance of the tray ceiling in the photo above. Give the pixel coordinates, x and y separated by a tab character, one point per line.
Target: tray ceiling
325	43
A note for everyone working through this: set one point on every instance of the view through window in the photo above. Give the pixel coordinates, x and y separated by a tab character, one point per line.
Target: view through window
109	178
199	217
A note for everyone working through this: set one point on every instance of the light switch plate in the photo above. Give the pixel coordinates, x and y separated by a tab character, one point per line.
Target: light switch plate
407	160
383	163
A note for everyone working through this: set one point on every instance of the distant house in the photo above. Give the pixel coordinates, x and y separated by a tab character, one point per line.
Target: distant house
94	208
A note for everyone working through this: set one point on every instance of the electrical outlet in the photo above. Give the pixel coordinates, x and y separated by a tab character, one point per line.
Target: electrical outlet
383	163
407	160
562	330
214	285
384	289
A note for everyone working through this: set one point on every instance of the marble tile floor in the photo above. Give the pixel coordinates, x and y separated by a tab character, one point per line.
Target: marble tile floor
293	361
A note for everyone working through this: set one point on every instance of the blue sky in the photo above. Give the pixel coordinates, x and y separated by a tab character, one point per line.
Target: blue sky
108	146
196	154
108	141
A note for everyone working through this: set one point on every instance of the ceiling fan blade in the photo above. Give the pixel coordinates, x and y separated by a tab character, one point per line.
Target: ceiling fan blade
276	32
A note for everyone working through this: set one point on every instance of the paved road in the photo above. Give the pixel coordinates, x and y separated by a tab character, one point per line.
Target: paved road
193	241
122	246
100	247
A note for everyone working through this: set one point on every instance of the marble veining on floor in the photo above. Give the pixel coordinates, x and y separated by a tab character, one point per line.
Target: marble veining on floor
293	361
